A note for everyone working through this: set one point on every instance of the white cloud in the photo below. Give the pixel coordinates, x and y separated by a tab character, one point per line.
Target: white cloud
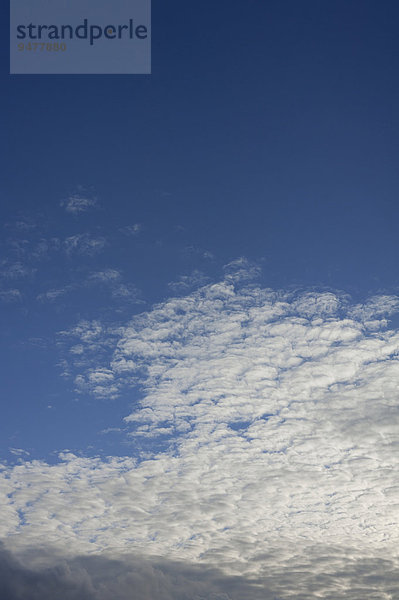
52	295
15	270
197	251
112	430
189	282
19	452
83	243
107	276
24	224
77	204
273	419
12	295
87	331
375	310
127	292
241	269
132	230
87	343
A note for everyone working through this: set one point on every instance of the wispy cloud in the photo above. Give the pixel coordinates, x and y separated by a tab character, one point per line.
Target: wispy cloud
15	270
84	243
127	292
198	252
189	282
108	276
124	292
132	230
54	294
88	343
12	295
18	452
22	223
77	204
241	269
110	279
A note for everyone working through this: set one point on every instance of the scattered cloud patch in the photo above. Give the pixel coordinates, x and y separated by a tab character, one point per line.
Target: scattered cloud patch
132	230
376	310
241	269
22	223
189	282
84	244
128	293
15	270
12	295
19	452
87	343
53	295
77	204
123	293
199	252
111	430
108	276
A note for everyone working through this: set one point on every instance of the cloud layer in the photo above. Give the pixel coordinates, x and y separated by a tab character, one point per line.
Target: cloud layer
326	574
264	444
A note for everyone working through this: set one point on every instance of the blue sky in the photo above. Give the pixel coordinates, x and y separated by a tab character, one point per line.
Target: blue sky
252	178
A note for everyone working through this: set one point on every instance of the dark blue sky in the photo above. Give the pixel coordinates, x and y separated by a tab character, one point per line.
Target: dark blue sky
268	129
